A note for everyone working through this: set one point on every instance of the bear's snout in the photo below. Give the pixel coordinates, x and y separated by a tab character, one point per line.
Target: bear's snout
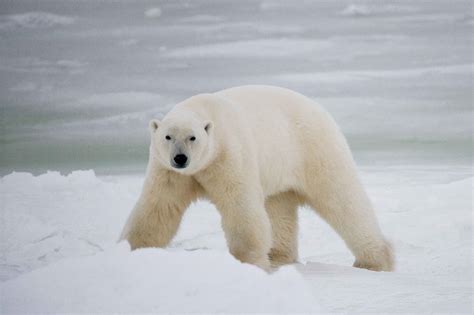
180	161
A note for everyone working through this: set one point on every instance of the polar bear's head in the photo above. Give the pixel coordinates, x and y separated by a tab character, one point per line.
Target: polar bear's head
182	144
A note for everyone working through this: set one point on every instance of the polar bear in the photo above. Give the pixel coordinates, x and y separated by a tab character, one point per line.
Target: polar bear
257	153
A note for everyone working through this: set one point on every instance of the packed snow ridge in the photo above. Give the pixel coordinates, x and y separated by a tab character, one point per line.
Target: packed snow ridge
156	281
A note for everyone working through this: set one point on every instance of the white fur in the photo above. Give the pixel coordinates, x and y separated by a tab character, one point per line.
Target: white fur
260	152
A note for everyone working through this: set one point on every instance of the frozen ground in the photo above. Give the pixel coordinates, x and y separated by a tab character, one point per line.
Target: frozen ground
157	281
59	252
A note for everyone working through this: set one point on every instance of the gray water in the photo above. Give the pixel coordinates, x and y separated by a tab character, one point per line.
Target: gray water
81	79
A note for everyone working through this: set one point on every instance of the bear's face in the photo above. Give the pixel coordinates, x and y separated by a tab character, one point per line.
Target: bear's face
183	146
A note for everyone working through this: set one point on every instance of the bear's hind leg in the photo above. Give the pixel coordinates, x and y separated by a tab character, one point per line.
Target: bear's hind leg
282	211
341	200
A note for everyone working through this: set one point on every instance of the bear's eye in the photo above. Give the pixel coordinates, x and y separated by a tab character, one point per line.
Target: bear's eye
168	138
192	138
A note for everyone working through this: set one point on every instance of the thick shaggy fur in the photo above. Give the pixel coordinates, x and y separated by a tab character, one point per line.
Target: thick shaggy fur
260	153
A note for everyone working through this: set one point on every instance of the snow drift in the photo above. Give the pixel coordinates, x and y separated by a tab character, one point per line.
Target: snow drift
69	225
156	281
59	251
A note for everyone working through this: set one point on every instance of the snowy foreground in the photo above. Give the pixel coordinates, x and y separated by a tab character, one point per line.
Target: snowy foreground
59	252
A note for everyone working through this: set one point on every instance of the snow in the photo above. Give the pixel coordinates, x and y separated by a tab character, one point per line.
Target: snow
65	258
70	225
356	10
251	48
202	18
153	13
34	20
361	10
158	281
44	66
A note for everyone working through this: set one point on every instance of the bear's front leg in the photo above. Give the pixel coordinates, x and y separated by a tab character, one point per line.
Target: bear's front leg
158	212
246	226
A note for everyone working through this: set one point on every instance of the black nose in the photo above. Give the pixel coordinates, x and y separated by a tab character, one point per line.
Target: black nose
180	159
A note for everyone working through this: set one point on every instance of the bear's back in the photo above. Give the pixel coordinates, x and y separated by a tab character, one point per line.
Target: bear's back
282	124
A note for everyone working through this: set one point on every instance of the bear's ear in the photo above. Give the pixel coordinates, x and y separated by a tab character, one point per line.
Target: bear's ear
208	126
153	125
